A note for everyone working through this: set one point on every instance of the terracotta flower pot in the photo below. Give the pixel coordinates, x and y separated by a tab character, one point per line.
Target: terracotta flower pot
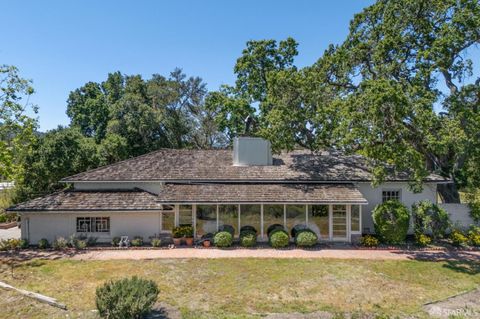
177	241
189	241
206	243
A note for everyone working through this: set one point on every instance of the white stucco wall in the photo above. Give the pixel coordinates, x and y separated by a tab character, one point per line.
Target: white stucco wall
36	226
374	197
153	187
459	214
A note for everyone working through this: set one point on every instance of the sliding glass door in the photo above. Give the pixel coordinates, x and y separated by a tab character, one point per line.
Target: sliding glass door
339	222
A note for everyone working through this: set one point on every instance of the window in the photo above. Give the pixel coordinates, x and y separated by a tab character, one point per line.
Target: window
93	224
228	215
272	214
355	218
391	194
185	217
318	220
250	215
295	215
168	221
206	219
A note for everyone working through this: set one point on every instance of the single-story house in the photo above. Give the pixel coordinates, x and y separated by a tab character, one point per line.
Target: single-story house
151	194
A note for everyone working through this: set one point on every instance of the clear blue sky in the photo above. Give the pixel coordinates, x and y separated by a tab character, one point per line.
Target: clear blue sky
61	45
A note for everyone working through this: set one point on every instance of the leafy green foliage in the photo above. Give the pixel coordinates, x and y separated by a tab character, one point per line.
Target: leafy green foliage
17	129
306	238
369	241
458	238
474	236
43	243
279	238
223	239
12	244
429	218
60	243
126	298
137	241
182	231
274	227
115	241
422	239
156	242
248	238
391	221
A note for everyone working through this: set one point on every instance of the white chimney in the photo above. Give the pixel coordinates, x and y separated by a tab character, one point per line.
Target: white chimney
251	151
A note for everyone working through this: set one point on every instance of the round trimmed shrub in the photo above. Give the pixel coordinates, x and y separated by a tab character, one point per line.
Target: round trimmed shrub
248	238
223	239
429	218
60	243
228	228
248	228
126	298
297	228
306	238
422	240
391	222
43	243
274	227
279	238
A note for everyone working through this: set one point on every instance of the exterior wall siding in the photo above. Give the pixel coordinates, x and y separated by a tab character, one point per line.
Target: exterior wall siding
374	197
36	226
459	214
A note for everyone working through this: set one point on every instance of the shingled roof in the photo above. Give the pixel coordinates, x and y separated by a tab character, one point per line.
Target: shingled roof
115	200
216	165
267	193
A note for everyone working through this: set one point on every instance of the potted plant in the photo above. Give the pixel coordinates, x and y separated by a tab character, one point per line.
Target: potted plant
177	234
188	234
207	239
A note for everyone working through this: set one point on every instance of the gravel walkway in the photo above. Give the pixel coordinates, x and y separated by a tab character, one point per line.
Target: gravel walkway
272	253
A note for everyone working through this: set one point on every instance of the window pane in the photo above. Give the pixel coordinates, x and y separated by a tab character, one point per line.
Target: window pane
185	215
318	220
355	214
339	221
168	221
295	216
250	215
228	215
272	214
206	219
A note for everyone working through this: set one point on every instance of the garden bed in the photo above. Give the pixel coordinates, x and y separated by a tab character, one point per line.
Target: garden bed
8	225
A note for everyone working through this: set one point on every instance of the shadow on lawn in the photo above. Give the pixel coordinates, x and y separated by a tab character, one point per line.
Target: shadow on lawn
29	254
461	261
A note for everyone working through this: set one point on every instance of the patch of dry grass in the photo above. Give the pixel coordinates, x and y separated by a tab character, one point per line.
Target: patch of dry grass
236	287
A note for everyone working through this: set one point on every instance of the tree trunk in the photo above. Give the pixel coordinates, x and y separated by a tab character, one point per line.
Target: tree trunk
448	193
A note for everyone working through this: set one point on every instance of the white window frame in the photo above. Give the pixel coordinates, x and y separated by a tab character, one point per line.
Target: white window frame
399	190
93	224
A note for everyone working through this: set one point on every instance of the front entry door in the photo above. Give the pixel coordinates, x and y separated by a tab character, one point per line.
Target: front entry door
339	222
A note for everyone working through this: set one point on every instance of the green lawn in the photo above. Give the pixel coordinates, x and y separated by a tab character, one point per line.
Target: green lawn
232	288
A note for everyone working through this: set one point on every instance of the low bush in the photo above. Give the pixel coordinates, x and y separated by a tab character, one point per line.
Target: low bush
223	239
274	227
422	240
187	231
228	228
60	243
24	243
126	298
248	228
248	238
91	241
115	241
297	228
369	241
156	242
306	238
458	238
43	243
279	238
474	236
391	221
81	244
429	218
3	218
137	241
10	244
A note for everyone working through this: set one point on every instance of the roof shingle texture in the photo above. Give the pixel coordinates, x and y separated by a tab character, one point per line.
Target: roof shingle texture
216	165
273	193
92	200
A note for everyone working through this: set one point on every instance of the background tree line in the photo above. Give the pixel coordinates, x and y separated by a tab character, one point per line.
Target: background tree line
400	89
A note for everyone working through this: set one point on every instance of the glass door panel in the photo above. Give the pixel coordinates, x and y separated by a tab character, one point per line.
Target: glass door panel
339	222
